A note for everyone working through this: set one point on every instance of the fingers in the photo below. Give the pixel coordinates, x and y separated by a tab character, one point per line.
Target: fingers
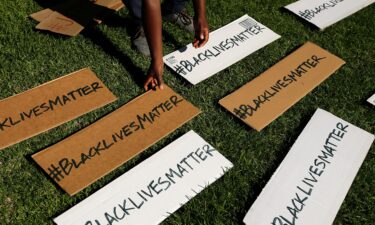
204	38
201	38
160	82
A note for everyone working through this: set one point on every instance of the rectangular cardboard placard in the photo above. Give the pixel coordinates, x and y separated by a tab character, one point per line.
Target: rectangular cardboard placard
371	100
58	23
154	189
324	13
225	47
265	98
83	158
312	181
42	108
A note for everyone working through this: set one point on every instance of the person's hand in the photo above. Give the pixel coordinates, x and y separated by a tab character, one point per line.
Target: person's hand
201	32
155	76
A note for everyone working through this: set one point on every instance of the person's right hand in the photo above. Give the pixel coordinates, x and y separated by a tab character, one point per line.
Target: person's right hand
155	76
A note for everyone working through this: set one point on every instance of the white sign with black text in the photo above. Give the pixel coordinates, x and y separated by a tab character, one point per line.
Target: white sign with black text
324	13
225	47
312	181
154	189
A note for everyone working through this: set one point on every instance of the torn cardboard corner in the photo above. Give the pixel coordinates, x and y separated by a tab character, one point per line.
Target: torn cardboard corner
69	18
226	46
312	181
157	187
324	13
51	104
265	98
86	156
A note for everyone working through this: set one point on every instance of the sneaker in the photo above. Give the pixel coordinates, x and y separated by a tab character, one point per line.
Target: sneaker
139	41
181	19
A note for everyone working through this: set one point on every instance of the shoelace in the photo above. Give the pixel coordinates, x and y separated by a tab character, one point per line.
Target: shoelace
184	18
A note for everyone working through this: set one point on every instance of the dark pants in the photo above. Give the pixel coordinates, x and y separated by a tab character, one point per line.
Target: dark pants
169	6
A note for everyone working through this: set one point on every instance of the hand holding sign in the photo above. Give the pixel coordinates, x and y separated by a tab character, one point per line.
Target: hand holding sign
201	32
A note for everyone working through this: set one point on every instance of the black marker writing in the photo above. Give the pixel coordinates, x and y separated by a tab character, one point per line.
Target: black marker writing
311	13
244	111
65	166
305	189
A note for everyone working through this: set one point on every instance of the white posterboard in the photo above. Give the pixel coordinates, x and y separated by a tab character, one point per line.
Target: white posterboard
226	46
324	13
371	100
312	181
154	189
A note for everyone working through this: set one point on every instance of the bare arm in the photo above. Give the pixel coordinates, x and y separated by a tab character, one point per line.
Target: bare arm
200	24
152	21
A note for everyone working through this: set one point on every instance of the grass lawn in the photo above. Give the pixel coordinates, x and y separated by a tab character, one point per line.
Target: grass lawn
29	58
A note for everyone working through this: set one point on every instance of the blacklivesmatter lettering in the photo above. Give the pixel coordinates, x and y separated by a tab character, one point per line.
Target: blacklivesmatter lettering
309	14
158	186
48	106
186	66
319	165
141	122
247	110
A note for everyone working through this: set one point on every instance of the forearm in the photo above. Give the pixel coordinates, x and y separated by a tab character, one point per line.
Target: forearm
152	21
199	8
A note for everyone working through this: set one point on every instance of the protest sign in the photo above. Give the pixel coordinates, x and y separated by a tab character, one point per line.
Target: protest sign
71	17
226	46
154	189
372	100
312	181
265	98
91	153
39	109
324	13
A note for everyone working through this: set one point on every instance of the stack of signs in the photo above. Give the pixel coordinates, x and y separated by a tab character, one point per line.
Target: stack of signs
323	13
262	100
312	181
42	108
91	153
154	189
371	100
71	17
226	46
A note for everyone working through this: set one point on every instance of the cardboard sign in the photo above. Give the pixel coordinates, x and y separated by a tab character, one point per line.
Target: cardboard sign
323	13
42	108
226	46
265	98
58	23
71	17
88	155
312	181
372	100
154	189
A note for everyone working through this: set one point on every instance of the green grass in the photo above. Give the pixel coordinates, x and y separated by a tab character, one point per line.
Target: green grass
29	58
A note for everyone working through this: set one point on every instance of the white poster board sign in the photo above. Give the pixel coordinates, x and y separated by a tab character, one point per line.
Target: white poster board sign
324	13
225	47
311	183
154	189
371	100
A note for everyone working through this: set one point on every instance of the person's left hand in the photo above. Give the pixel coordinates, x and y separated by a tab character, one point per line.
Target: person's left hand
201	32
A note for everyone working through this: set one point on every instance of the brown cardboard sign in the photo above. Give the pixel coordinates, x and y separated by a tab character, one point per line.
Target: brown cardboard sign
42	14
39	109
265	98
91	153
58	23
70	17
